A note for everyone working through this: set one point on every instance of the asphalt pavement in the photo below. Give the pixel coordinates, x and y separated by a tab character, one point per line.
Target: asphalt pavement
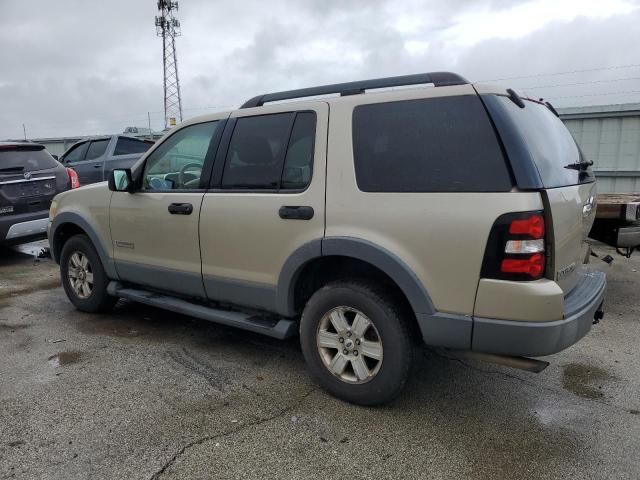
141	393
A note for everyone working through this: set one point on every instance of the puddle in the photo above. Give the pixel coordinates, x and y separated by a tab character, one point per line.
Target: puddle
63	359
585	380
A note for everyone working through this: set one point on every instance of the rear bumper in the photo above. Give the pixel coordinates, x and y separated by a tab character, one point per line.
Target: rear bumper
23	227
533	339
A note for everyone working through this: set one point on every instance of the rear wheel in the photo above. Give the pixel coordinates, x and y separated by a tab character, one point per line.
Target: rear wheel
83	277
356	343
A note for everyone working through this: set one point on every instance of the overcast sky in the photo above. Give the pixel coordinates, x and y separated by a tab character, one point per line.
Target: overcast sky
72	67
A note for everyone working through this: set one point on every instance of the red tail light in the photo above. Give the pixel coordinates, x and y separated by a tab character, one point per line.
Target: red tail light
532	266
516	247
74	181
532	226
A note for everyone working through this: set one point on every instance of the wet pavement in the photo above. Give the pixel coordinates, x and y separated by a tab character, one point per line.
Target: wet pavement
142	393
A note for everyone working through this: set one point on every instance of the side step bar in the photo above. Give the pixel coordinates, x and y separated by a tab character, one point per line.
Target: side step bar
280	329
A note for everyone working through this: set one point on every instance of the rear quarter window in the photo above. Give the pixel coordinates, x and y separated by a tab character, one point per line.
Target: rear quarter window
444	144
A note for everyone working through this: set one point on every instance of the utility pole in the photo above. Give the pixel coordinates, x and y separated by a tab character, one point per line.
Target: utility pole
24	131
168	27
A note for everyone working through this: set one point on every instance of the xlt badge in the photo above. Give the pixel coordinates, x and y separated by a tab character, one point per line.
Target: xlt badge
563	272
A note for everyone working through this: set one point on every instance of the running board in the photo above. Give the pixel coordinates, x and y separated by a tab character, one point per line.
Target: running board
280	329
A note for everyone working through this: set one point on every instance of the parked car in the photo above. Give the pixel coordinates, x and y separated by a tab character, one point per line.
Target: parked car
94	158
456	214
29	179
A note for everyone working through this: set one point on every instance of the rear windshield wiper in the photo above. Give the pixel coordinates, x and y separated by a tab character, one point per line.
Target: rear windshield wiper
580	165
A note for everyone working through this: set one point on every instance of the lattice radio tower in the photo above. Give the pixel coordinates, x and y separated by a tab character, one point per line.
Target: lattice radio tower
168	27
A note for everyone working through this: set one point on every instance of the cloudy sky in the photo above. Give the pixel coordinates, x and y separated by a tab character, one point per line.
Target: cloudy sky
74	67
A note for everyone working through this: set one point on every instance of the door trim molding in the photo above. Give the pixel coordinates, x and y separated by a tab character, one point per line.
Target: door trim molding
162	278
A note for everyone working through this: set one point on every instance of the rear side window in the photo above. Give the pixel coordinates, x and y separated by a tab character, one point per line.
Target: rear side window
97	149
444	144
549	143
128	146
271	152
25	159
298	163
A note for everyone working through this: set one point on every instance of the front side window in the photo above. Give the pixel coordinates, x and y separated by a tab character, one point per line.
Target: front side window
271	152
177	163
96	149
76	154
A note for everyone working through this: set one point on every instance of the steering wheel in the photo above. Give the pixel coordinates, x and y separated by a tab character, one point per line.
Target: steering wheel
184	169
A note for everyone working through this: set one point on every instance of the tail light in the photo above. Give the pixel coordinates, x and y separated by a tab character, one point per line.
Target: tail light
516	247
74	181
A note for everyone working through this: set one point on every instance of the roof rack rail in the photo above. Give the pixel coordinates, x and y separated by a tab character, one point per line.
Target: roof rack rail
439	79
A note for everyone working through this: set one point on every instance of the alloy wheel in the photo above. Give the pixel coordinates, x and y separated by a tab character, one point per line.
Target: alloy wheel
349	345
80	275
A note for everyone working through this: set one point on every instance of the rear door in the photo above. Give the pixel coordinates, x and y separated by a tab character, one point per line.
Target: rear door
267	199
74	157
91	169
569	184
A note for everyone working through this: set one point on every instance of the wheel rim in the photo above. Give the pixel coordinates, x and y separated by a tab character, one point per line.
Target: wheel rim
80	275
349	345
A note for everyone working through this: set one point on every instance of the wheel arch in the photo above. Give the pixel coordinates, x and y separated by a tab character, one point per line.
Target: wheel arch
67	224
356	252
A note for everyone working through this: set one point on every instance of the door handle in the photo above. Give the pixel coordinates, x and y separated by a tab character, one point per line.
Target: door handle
296	212
180	209
97	166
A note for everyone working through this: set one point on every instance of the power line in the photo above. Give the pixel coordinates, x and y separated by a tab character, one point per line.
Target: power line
595	94
579	83
616	67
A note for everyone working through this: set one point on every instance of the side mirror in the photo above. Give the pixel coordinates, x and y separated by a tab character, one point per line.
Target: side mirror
120	180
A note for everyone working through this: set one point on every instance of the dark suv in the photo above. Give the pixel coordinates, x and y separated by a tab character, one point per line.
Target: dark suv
29	179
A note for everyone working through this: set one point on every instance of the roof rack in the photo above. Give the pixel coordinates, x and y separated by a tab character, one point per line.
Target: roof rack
439	79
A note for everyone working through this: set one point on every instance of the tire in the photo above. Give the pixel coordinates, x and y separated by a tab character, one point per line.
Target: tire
389	340
76	251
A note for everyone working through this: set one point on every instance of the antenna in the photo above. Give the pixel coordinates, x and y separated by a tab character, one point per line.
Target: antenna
168	27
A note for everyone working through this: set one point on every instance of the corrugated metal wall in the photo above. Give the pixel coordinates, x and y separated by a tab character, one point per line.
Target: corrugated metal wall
610	136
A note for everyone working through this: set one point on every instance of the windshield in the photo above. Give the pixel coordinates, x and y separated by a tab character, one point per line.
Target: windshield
25	159
550	144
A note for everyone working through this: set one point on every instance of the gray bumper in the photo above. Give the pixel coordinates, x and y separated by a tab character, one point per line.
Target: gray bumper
534	339
23	227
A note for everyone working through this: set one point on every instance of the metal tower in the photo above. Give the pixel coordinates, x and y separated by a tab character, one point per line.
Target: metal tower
168	27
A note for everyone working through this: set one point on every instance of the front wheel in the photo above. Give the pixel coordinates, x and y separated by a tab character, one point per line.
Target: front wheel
83	277
356	343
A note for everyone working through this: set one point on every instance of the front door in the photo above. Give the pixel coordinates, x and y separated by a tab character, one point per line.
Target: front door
90	168
266	201
155	230
74	157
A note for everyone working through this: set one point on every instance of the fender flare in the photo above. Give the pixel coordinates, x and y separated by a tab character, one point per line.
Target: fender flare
78	220
379	257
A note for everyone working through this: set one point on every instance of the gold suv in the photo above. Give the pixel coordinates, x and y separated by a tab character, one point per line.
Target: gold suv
360	217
